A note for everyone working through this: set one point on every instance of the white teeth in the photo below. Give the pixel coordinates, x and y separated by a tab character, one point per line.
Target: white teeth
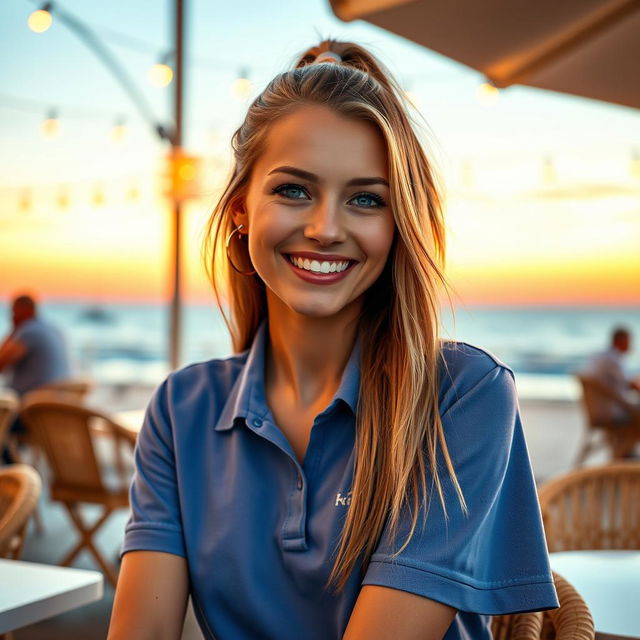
319	267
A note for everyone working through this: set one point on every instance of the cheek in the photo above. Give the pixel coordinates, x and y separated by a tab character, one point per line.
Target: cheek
378	240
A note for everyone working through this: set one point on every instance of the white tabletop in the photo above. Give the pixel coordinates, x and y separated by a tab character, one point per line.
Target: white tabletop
131	419
31	592
609	582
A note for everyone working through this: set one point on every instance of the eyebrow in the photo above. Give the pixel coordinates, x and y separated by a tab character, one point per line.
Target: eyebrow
312	177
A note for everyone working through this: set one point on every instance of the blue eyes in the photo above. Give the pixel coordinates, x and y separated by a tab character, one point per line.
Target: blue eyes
364	200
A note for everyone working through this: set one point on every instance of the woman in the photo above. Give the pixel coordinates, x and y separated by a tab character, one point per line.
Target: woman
348	475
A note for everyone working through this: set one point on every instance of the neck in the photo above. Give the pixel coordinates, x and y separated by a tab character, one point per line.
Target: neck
308	355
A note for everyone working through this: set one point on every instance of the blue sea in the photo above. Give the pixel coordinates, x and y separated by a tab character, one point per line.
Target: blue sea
128	343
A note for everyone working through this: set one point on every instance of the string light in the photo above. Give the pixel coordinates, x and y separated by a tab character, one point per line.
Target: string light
63	198
635	164
119	131
242	86
40	20
25	201
487	94
98	198
161	74
51	124
549	174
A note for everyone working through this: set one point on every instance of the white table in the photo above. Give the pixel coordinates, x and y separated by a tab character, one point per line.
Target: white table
31	592
131	419
609	582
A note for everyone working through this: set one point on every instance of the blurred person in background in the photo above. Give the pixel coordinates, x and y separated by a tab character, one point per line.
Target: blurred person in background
608	367
34	353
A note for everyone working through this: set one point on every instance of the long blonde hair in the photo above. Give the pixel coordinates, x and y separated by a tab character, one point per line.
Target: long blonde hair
398	424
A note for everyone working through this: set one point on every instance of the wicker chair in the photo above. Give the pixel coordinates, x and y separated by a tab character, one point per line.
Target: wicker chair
572	621
619	438
9	403
74	390
20	487
593	508
66	432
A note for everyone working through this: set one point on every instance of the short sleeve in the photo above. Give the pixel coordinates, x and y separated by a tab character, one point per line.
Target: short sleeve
155	522
25	335
493	559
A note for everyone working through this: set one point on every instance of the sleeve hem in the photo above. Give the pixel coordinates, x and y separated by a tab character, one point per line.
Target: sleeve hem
536	595
152	538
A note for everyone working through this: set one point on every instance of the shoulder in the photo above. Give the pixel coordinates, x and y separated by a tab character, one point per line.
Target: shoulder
216	376
465	368
28	328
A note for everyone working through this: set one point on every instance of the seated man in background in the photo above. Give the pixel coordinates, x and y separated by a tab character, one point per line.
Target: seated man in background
610	400
608	368
35	352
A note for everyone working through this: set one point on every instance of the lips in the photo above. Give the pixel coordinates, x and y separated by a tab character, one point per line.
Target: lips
319	268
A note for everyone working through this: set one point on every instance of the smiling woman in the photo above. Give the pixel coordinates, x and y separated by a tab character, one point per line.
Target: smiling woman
286	489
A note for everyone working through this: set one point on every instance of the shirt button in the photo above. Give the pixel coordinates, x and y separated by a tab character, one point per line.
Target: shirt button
257	423
299	485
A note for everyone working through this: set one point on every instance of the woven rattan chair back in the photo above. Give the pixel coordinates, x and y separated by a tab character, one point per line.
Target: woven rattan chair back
63	430
593	508
571	621
73	389
9	403
19	492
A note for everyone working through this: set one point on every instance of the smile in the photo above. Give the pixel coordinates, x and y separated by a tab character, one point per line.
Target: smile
319	267
318	271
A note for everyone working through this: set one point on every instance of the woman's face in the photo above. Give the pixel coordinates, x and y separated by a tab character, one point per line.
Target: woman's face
316	211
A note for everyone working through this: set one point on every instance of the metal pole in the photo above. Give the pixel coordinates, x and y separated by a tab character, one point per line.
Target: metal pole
176	144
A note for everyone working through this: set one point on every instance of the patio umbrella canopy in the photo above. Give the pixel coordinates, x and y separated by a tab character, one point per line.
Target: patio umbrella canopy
588	48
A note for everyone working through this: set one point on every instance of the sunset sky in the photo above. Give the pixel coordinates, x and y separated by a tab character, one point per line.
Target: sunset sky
543	190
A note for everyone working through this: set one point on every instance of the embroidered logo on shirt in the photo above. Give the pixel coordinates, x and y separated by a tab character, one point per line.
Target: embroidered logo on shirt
343	501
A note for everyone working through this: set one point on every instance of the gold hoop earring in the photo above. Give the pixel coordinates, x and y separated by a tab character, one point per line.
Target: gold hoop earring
228	244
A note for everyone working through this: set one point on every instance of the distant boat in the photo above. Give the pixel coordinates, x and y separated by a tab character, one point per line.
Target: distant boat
97	314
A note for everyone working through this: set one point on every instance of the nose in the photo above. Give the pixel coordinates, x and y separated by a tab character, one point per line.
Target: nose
326	224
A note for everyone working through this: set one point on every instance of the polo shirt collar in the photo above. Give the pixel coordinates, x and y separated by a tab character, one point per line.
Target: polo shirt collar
248	399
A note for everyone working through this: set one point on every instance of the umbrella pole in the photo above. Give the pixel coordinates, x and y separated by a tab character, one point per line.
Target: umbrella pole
175	321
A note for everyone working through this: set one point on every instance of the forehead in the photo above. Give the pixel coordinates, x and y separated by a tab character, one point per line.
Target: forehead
319	140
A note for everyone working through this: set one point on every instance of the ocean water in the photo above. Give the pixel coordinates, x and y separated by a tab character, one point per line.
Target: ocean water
544	346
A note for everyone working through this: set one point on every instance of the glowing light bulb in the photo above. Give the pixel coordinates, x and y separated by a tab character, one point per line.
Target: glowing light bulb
39	21
160	75
51	125
119	131
635	164
487	94
241	87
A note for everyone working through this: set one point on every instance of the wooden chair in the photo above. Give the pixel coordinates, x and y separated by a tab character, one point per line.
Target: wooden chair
66	433
76	388
20	487
621	438
572	621
593	508
9	403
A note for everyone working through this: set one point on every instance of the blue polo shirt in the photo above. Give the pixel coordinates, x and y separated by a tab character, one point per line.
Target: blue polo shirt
218	483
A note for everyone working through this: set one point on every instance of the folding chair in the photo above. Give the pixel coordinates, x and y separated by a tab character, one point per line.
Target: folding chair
66	432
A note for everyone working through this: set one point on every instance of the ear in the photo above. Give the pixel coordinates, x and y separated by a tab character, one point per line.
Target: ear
239	213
